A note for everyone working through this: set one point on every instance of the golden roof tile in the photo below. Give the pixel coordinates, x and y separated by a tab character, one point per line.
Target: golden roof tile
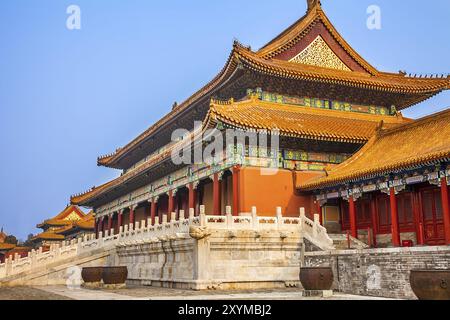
406	146
49	235
7	246
64	217
302	122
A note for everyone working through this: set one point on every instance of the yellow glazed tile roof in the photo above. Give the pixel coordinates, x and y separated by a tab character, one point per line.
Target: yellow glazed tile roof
302	122
7	246
406	146
48	236
87	223
59	220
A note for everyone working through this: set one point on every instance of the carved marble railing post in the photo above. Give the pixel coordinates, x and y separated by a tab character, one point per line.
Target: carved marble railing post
279	217
182	215
33	258
202	216
164	219
191	214
316	224
173	217
100	239
302	219
8	266
229	214
254	218
156	221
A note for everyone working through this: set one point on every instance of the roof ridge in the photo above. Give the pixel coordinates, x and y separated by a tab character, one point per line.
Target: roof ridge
414	123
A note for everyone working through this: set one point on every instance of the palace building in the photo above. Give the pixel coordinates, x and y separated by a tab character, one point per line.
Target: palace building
69	224
345	150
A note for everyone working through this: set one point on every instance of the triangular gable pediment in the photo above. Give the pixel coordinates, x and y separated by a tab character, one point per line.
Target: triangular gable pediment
314	33
318	53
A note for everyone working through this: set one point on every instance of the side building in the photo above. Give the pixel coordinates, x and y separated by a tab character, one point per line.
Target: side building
69	224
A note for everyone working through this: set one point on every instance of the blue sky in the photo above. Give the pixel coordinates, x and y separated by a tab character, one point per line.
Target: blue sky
67	97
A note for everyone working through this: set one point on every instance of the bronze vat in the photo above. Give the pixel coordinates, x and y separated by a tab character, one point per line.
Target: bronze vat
314	279
92	275
115	275
431	284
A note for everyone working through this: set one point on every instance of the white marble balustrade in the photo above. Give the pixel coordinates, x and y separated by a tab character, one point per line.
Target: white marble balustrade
168	229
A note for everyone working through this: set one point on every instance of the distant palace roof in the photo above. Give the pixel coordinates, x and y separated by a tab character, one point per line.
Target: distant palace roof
6	246
49	235
66	217
311	51
87	223
71	219
424	141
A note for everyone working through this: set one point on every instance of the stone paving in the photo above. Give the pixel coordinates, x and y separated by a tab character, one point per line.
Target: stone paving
27	293
152	293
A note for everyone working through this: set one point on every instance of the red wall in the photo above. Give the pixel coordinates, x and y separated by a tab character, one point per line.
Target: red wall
269	192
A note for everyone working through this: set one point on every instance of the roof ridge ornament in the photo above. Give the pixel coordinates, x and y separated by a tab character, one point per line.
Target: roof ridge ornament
312	4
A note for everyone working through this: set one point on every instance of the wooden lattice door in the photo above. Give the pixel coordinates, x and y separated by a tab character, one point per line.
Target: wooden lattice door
432	217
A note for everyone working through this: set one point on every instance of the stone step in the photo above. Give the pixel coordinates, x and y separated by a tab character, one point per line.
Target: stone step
42	276
340	241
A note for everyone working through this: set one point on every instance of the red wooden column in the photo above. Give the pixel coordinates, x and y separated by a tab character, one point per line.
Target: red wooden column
445	210
352	211
236	209
216	195
417	219
154	202
319	212
374	218
132	217
170	206
191	196
394	219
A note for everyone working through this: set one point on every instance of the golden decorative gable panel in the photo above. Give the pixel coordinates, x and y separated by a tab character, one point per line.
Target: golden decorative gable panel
73	217
318	53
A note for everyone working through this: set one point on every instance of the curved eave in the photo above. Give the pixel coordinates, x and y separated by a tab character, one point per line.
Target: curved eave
412	160
48	236
223	77
86	199
429	159
395	84
214	116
